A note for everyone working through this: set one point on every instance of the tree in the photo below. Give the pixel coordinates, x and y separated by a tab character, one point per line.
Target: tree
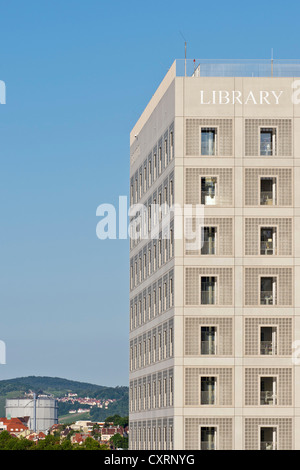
95	430
66	445
23	444
117	420
125	443
91	444
49	443
5	438
117	441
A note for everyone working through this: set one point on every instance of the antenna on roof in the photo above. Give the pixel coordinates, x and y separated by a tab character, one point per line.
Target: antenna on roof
184	53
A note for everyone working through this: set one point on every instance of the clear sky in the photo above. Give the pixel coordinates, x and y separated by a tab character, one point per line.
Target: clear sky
78	75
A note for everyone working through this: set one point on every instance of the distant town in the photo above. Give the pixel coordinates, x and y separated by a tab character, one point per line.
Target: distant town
84	402
32	421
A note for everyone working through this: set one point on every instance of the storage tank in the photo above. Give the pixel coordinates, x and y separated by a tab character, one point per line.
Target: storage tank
42	412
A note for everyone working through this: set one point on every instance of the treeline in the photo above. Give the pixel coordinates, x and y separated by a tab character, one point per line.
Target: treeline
59	387
8	442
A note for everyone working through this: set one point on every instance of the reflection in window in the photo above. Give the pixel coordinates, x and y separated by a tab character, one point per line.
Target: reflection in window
268	291
208	190
208	340
208	390
208	290
208	438
268	191
208	141
268	438
268	340
267	141
208	246
268	241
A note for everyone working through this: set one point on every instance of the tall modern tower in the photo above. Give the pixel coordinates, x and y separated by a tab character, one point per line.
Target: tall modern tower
213	325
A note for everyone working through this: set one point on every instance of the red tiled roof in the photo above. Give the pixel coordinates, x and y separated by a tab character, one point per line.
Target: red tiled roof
112	431
13	424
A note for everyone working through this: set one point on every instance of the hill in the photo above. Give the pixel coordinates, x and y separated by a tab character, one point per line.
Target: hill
59	387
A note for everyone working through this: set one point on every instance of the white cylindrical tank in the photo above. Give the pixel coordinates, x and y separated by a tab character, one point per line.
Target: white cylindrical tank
42	412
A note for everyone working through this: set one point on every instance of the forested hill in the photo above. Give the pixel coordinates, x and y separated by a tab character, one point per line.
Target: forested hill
59	387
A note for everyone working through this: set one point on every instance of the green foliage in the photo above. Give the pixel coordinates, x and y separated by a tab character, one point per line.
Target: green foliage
8	442
49	443
4	438
66	444
96	430
117	420
90	444
119	442
60	387
120	407
64	408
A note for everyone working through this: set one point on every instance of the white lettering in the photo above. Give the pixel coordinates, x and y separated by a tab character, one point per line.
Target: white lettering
263	97
202	98
236	95
221	96
250	96
277	96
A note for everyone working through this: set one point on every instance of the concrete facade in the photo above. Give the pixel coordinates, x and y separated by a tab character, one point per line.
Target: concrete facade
212	328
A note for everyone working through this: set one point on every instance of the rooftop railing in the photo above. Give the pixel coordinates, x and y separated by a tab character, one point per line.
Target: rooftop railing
238	67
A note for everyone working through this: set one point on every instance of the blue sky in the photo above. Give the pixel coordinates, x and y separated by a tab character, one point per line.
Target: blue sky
78	75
